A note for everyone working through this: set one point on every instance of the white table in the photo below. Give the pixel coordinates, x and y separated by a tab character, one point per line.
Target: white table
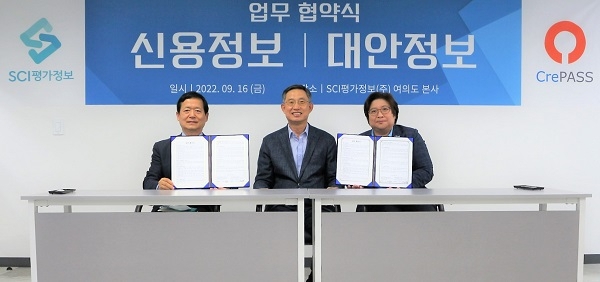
128	246
520	245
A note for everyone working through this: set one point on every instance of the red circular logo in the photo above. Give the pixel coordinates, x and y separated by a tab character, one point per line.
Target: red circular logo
572	28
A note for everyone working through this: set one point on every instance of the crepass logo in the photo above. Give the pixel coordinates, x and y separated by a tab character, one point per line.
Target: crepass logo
566	53
575	30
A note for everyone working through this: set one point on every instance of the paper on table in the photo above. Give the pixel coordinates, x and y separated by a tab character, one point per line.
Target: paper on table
355	160
230	164
189	161
393	163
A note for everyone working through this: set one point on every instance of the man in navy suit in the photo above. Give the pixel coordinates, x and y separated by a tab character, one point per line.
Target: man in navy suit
192	114
297	156
381	111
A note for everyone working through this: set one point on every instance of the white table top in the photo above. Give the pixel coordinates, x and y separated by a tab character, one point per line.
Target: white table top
169	197
446	196
289	196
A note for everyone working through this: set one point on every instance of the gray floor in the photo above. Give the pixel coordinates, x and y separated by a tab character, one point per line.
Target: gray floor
591	273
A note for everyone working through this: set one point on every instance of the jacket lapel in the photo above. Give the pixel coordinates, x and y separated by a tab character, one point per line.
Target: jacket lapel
311	144
284	140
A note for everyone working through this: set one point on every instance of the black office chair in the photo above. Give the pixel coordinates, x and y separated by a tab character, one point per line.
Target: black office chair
139	208
363	208
155	208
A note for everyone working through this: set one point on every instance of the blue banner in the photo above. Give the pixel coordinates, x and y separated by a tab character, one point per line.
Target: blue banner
425	52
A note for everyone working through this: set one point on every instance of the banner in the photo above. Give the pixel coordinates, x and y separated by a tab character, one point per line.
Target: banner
456	52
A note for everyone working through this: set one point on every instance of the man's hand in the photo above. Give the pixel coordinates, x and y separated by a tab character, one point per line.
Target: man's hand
165	184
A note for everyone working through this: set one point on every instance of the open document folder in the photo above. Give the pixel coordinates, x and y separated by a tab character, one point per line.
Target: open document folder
210	161
374	161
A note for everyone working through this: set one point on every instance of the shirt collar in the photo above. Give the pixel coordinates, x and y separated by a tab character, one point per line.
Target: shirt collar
389	134
291	133
201	134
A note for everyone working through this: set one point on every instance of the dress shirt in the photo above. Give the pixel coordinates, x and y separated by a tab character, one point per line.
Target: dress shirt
298	144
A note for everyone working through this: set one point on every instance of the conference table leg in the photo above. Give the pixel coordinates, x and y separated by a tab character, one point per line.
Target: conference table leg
581	212
32	241
317	203
300	243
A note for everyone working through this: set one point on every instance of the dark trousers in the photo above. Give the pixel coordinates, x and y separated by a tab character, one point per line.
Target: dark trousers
307	216
308	228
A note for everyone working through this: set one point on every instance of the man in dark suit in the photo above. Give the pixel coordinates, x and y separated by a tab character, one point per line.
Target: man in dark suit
381	111
297	156
192	114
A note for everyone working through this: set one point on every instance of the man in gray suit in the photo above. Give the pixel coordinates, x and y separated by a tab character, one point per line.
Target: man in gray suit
297	156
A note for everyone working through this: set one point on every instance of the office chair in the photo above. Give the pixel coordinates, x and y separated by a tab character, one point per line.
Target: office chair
363	208
139	208
155	208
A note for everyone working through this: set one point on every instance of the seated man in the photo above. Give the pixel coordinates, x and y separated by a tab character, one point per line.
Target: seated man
298	155
381	111
192	114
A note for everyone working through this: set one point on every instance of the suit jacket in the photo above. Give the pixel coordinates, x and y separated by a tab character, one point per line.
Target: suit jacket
160	166
276	168
422	170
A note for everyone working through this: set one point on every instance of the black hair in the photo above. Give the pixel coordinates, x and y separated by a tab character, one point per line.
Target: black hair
296	86
389	98
192	95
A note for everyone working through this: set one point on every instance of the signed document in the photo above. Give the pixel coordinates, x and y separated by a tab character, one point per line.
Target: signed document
230	161
355	160
393	162
190	161
374	161
210	161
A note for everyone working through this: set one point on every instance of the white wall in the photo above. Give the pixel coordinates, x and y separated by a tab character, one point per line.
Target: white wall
551	140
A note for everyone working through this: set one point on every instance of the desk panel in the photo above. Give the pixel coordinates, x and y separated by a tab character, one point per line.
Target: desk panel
233	245
469	246
450	246
167	247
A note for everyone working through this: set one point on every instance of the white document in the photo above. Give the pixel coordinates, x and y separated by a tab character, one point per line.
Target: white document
355	160
393	162
385	162
230	161
189	161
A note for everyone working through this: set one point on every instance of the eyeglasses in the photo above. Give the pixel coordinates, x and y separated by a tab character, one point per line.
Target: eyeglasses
383	110
301	103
